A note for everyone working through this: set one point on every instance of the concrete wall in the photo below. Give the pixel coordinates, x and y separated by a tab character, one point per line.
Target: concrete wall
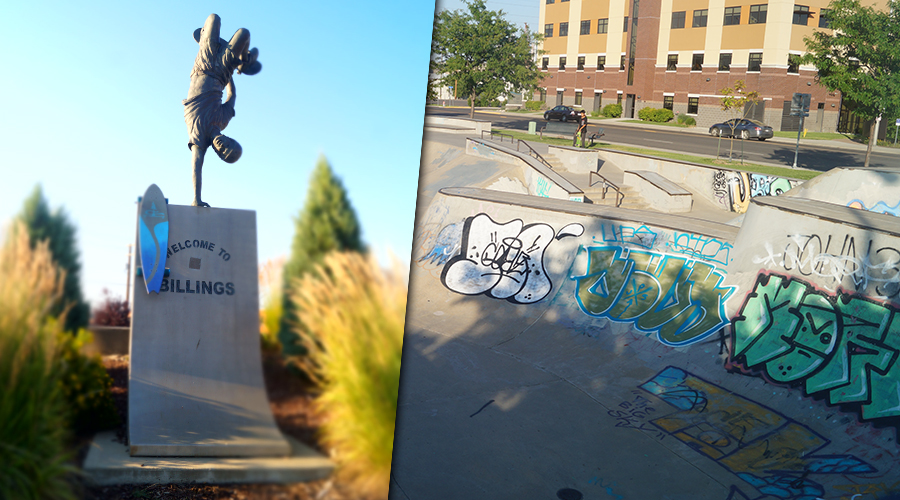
575	159
537	178
627	345
729	189
874	189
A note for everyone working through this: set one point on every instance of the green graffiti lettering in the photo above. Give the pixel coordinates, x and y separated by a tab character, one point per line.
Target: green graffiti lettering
843	345
680	300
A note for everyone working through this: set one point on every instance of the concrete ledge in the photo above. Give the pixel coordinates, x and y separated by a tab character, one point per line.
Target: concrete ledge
661	193
575	160
108	462
727	188
681	223
458	124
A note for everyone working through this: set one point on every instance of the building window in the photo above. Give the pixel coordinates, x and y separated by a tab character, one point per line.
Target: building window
823	19
625	26
602	25
563	1
672	62
585	27
693	105
732	16
550	1
545	63
758	14
619	98
622	63
678	20
669	102
755	61
601	63
543	95
548	31
697	62
581	63
724	62
801	15
563	29
562	63
578	98
793	63
700	18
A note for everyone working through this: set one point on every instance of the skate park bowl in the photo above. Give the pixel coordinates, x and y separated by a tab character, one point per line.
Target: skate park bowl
557	349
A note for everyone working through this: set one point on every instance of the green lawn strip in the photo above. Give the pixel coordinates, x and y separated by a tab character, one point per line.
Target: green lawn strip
662	124
747	167
823	136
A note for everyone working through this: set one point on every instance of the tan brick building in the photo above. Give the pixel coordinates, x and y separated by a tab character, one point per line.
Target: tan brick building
678	54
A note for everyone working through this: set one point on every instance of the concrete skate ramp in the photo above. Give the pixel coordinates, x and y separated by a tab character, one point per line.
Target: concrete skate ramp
874	189
554	349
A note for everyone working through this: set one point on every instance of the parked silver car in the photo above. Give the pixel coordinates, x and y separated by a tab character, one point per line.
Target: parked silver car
743	128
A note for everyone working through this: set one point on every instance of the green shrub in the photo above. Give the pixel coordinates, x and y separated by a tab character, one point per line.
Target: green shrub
686	120
355	314
655	115
86	385
595	113
33	412
612	110
533	105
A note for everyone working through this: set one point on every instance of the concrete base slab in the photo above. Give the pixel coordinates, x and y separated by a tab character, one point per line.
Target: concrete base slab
108	462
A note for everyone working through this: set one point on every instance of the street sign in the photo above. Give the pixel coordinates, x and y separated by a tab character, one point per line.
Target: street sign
800	104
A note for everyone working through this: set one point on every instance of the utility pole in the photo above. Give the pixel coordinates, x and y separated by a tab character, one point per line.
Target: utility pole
128	280
799	107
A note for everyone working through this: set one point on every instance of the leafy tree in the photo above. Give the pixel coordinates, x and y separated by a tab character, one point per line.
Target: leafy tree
737	103
54	227
114	311
327	223
860	57
481	54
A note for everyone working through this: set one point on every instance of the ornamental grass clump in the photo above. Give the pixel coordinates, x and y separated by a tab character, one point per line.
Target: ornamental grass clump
33	411
354	314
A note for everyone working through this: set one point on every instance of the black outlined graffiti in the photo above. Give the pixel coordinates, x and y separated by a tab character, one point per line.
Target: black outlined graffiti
503	261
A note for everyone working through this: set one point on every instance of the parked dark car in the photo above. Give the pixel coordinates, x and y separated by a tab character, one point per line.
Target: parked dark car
743	128
561	113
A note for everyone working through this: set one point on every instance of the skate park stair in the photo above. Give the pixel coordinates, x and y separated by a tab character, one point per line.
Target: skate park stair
658	192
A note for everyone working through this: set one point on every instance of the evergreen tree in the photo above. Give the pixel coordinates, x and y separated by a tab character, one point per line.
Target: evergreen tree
327	223
42	224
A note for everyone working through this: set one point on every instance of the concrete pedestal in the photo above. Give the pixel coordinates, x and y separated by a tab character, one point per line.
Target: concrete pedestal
195	382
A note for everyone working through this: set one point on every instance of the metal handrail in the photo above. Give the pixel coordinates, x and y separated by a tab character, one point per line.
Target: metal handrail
606	185
534	154
502	135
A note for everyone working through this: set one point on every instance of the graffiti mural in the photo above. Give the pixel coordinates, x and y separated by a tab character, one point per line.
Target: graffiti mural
844	347
503	261
809	255
445	245
701	247
682	301
775	454
642	236
880	207
734	189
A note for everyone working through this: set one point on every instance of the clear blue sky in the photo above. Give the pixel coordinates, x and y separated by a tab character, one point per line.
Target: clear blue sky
90	108
516	11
